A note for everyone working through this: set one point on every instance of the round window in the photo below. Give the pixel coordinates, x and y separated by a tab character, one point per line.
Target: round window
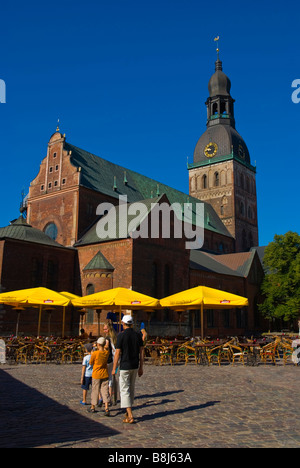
51	231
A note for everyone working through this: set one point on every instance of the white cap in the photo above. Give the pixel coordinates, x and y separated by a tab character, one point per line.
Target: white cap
127	319
101	341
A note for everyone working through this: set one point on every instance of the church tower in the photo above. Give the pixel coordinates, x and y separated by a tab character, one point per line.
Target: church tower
221	173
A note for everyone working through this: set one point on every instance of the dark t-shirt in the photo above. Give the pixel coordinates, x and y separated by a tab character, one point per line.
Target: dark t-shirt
129	342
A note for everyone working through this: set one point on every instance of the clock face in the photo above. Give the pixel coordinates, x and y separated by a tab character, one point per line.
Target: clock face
210	150
241	152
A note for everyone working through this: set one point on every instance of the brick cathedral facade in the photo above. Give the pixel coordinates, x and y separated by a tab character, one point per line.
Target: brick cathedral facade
62	207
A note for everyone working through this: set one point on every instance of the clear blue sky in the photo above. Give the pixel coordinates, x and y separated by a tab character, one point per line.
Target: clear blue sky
128	81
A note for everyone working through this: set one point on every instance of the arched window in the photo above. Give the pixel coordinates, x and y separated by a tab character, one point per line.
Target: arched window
204	181
52	274
36	272
154	275
250	239
90	289
242	208
244	240
51	231
247	184
242	181
155	289
216	179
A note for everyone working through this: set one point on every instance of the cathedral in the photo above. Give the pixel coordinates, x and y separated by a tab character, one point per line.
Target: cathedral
56	243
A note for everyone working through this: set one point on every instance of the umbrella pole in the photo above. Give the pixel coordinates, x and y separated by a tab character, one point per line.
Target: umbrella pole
202	330
49	323
193	323
64	321
40	319
18	320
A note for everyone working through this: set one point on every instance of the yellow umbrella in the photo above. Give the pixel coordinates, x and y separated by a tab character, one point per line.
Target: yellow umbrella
206	298
120	298
35	296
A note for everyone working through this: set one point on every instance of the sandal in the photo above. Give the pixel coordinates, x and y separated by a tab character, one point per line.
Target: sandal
107	412
128	420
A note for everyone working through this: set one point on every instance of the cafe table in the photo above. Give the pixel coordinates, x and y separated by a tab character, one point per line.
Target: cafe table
253	352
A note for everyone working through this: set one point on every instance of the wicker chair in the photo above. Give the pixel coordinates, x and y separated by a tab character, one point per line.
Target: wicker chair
269	352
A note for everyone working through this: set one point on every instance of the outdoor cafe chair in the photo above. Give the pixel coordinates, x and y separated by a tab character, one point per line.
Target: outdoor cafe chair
237	353
41	353
181	352
220	354
288	351
269	352
213	354
166	354
190	354
24	354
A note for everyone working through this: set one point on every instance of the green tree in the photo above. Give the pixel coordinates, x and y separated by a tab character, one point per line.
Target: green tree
281	285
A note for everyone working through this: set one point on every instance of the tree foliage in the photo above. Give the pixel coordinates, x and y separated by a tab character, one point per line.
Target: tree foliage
281	285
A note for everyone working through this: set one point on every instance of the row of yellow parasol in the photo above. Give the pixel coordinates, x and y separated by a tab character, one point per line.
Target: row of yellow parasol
124	299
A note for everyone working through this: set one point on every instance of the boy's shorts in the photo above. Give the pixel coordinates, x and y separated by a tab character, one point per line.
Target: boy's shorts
87	382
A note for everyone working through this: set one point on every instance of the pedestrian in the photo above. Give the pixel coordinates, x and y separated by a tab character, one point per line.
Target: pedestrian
86	373
100	375
111	336
83	335
130	351
144	333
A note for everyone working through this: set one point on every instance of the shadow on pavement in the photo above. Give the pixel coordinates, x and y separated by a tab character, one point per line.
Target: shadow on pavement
163	414
158	394
31	419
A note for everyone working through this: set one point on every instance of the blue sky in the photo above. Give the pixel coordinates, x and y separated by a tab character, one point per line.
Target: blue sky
128	81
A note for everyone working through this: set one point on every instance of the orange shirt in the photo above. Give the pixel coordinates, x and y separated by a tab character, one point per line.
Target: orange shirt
99	363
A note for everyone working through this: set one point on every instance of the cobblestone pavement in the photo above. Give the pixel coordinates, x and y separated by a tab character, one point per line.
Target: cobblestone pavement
176	406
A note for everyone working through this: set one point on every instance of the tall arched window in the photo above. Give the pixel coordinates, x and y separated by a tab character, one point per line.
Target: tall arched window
244	240
204	181
242	181
242	208
52	274
36	272
216	179
90	289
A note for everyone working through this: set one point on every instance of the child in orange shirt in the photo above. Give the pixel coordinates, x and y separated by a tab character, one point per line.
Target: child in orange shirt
100	375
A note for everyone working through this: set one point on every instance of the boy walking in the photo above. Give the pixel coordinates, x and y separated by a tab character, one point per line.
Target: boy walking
86	373
100	375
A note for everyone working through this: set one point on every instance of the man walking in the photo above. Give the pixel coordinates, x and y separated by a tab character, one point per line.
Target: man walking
130	351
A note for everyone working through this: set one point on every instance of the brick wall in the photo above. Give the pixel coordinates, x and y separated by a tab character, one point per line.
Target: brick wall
26	265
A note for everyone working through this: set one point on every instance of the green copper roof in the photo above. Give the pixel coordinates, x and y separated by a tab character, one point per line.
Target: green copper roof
99	262
21	230
108	178
217	159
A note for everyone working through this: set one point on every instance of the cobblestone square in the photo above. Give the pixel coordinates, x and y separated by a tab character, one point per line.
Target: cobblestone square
176	406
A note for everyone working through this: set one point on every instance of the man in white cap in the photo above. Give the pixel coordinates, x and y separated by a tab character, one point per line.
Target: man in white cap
130	351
